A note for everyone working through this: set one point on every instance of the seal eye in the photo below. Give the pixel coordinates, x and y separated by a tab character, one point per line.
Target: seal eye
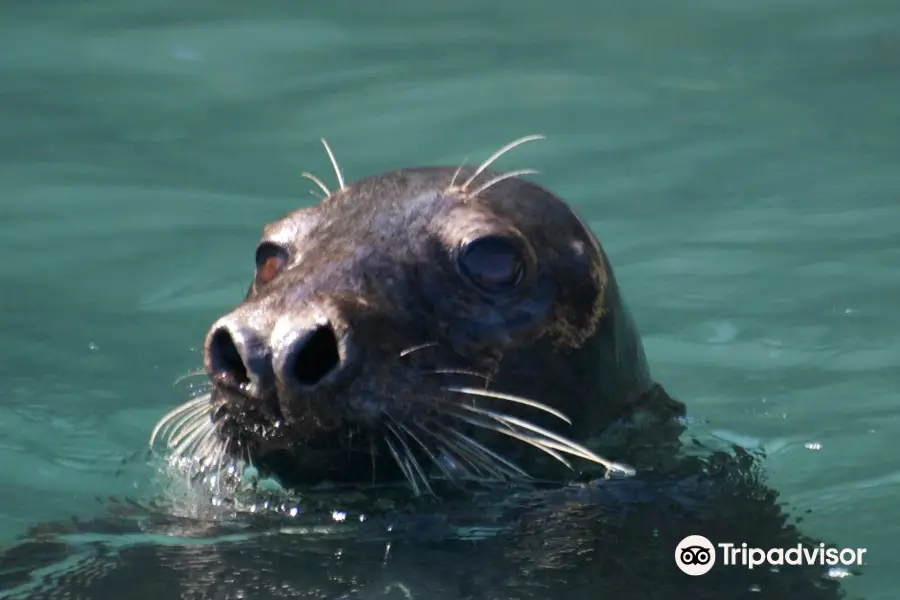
493	263
270	260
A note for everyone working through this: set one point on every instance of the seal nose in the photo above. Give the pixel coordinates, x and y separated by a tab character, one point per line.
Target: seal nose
239	357
298	355
307	356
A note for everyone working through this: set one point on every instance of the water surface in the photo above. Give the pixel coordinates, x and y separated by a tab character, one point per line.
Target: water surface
739	163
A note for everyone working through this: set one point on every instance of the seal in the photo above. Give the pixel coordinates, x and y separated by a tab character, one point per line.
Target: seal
421	327
432	323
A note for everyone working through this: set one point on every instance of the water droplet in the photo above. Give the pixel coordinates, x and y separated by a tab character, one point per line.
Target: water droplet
838	573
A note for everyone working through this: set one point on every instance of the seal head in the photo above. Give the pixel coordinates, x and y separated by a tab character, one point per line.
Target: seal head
427	323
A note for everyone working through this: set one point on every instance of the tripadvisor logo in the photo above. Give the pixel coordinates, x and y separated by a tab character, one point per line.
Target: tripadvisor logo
696	555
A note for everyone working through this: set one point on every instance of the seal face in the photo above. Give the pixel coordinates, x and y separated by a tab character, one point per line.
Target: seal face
425	323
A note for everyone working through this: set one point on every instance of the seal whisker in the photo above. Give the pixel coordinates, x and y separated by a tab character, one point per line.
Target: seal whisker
175	418
372	456
528	439
410	457
472	466
206	441
219	462
502	177
512	467
410	477
461	454
454	404
496	155
316	181
561	443
457	372
189	441
188	420
188	425
185	427
192	450
219	455
568	446
510	398
553	440
421	444
334	163
167	419
447	447
416	348
208	445
456	174
188	375
207	454
483	464
234	463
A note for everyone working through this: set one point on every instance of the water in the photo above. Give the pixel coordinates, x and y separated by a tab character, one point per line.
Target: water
737	161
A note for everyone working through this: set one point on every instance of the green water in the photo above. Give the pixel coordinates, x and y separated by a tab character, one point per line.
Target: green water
739	162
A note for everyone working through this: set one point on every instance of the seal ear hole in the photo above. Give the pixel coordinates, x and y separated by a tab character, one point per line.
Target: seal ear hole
270	260
495	264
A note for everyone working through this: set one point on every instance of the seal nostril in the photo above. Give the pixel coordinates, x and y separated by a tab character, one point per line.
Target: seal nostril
317	357
225	360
